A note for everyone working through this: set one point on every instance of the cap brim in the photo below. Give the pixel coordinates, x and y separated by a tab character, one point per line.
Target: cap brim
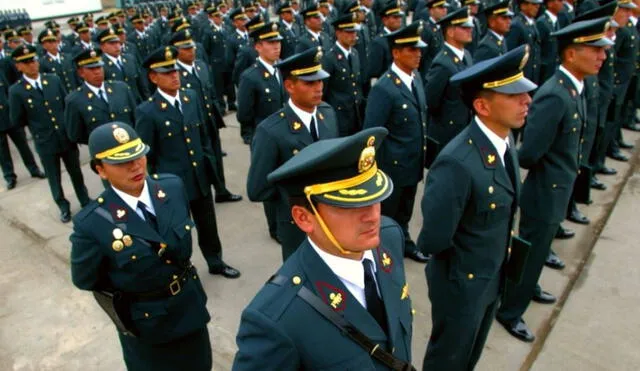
534	1
627	6
467	24
605	41
165	69
373	191
275	38
613	23
419	44
320	75
93	65
138	152
523	85
186	46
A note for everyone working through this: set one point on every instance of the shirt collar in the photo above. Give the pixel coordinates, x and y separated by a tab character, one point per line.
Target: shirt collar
344	51
569	6
55	57
112	58
386	30
497	35
530	21
459	53
316	35
303	115
132	201
578	84
346	269
287	24
500	144
33	82
241	33
169	98
218	28
406	79
270	68
552	16
85	44
140	33
94	89
186	66
633	20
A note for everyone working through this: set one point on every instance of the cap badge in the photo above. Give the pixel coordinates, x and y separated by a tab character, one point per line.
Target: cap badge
93	54
318	56
25	50
167	54
367	156
187	34
274	27
121	135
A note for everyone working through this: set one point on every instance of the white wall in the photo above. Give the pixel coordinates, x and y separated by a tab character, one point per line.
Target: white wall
42	9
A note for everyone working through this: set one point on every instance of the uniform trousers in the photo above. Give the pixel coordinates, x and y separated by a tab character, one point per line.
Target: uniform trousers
71	160
204	216
19	138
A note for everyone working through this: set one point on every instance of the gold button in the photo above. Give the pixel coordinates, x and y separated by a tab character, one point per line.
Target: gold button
513	233
146	315
413	311
55	126
174	277
53	119
424	148
163	245
50	111
470	276
167	123
168	261
450	122
188	140
133	257
509	250
575	115
493	206
155	176
490	189
296	280
574	130
470	141
194	164
554	185
186	128
191	152
100	200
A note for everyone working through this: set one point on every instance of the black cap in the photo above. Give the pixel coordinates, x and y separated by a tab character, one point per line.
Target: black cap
73	21
162	59
24	53
346	22
47	35
501	8
115	143
471	2
174	16
266	32
305	66
351	7
102	20
391	8
213	9
502	74
190	5
137	18
237	13
437	4
89	58
11	35
52	24
87	17
182	39
407	36
340	172
107	35
284	7
82	27
255	23
119	28
459	17
606	10
24	30
312	10
249	5
180	24
591	32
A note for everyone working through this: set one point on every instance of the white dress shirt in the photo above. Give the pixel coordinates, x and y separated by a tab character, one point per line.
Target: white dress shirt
500	144
132	201
305	116
578	84
404	77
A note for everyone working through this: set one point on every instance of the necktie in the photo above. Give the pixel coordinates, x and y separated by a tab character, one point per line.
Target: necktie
177	105
314	130
119	64
148	217
414	90
102	95
375	307
509	167
39	87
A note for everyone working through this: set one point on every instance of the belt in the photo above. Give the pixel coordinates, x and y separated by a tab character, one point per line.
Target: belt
172	289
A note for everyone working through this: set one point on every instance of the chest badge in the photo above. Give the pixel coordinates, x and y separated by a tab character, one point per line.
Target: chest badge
161	194
121	213
128	241
386	263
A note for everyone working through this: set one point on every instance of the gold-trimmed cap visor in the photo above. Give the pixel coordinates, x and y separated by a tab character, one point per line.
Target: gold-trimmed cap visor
590	32
115	143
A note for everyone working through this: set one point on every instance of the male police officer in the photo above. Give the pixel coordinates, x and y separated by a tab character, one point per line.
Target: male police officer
498	22
289	29
552	151
341	301
37	100
135	240
432	33
96	101
546	24
172	123
523	31
303	120
54	62
468	208
397	102
380	54
214	38
312	34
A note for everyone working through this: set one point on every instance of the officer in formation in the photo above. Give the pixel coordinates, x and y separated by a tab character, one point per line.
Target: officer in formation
493	45
347	275
289	29
53	61
134	241
303	120
432	34
312	34
468	207
247	53
171	122
397	102
379	52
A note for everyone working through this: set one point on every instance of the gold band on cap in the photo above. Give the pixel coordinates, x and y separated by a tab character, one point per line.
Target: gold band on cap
108	37
461	20
287	9
314	12
364	198
89	61
183	42
26	56
304	71
162	64
139	20
500	11
257	25
183	26
439	3
82	29
241	15
503	82
120	148
408	40
317	189
586	39
392	11
348	25
268	35
49	38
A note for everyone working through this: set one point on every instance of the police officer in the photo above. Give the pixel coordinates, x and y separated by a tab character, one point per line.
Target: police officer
523	31
546	24
53	61
289	29
84	41
348	266
343	88
214	41
477	31
139	37
552	151
247	53
468	208
235	39
135	240
303	120
171	122
432	33
449	114
195	74
380	54
96	101
37	100
397	102
312	34
498	24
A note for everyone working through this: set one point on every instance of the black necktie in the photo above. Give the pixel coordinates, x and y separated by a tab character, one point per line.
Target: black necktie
177	105
39	87
148	217
375	307
414	90
313	129
509	167
119	64
102	96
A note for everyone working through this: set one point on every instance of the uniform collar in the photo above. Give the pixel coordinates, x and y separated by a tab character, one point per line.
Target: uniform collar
500	144
497	35
458	52
269	67
633	20
304	116
347	269
529	21
187	67
95	90
287	24
344	51
54	57
170	99
551	16
33	82
406	79
132	202
316	35
241	33
113	59
578	84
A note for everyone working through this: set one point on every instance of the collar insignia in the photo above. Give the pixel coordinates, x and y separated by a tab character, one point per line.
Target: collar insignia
405	292
332	296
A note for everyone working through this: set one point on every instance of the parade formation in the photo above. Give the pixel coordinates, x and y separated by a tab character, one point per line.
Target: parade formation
507	112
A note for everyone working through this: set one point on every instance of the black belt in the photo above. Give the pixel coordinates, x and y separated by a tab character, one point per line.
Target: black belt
347	328
172	289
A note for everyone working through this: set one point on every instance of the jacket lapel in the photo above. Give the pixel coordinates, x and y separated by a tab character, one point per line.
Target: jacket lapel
566	82
167	108
403	88
297	128
490	157
162	206
95	101
389	290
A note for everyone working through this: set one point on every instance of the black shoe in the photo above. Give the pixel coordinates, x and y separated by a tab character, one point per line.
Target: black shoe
633	127
246	141
607	171
564	233
544	298
618	157
38	174
232	107
625	145
596	184
65	216
577	216
417	256
11	184
518	329
275	237
226	271
230	197
223	153
554	262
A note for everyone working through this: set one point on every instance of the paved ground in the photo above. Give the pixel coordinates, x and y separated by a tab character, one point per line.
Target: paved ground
47	324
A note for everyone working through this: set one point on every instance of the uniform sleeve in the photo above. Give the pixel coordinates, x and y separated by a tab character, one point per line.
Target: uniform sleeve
263	346
514	37
378	109
86	258
264	159
435	86
17	113
246	101
73	122
147	132
131	100
443	202
540	129
376	59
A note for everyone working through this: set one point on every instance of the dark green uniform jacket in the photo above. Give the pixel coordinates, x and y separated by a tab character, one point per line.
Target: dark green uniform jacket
432	36
522	33
279	331
489	47
129	74
289	39
380	56
306	41
551	149
549	58
64	70
85	111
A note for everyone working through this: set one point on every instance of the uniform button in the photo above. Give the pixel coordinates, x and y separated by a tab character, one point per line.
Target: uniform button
574	130
133	257
146	315
174	277
424	148
492	206
191	152
296	280
50	111
512	232
194	164
470	276
186	128
55	126
509	251
554	186
53	119
168	261
450	122
575	115
188	140
413	311
187	227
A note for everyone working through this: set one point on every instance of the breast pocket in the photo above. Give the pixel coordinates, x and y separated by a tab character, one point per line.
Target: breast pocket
137	257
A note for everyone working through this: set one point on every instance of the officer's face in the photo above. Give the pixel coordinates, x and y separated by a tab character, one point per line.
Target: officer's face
407	58
240	23
287	17
324	10
29	68
168	82
139	26
187	55
103	26
621	16
51	46
92	75
112	48
28	37
85	36
14	43
529	9
122	37
392	22
305	94
500	24
250	13
314	23
554	6
128	177
586	59
460	35
346	38
502	112
473	9
269	50
437	12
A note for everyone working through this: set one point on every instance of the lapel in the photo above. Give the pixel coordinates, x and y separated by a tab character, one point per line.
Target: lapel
297	128
167	108
32	92
270	79
402	87
328	287
162	206
389	290
48	94
490	157
94	100
457	62
566	82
